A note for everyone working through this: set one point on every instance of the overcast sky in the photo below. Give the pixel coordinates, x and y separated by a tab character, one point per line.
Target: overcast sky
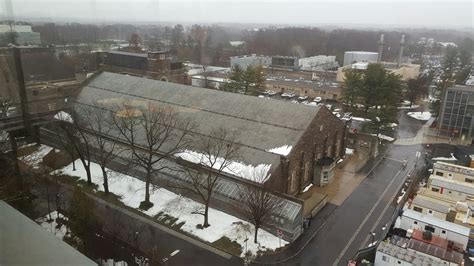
382	12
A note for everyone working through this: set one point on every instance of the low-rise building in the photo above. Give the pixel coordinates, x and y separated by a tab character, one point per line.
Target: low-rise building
413	220
403	251
254	60
285	62
318	63
406	71
283	141
312	89
156	65
24	34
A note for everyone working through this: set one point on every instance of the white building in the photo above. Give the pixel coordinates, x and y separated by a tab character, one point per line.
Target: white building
351	57
318	62
250	60
412	220
26	36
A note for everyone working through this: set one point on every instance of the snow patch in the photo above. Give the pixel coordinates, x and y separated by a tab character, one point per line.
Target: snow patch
63	116
52	226
361	119
451	158
283	150
132	192
349	151
35	158
384	137
246	171
307	187
423	116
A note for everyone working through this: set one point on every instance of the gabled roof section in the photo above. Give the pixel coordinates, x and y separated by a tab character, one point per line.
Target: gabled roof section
261	124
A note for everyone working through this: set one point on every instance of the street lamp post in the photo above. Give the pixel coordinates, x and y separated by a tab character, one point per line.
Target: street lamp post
373	237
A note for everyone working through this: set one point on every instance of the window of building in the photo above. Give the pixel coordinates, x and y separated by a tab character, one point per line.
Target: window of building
439	173
443	231
415	222
430	211
385	258
399	262
468	180
429	228
417	209
434	189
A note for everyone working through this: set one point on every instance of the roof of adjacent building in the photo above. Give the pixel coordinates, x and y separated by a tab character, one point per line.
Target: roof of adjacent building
445	183
459	229
431	203
24	242
261	124
128	54
305	84
404	254
418	252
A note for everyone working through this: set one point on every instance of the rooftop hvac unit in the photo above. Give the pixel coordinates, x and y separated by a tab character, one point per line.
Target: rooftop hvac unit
427	235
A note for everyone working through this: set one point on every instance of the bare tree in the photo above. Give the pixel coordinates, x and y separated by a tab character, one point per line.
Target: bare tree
258	203
4	107
216	152
100	125
73	125
153	135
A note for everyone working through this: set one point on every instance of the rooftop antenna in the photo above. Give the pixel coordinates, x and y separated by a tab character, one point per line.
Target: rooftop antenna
400	54
380	43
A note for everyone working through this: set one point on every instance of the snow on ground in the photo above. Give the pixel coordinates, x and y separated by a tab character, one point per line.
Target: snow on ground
408	107
423	116
35	158
283	150
360	119
349	151
52	226
132	192
63	116
307	187
255	173
451	158
384	137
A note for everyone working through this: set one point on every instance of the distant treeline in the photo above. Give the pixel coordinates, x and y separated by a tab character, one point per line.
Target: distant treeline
210	44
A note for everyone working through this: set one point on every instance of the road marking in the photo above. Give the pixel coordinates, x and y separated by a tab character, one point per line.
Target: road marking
366	218
174	253
386	207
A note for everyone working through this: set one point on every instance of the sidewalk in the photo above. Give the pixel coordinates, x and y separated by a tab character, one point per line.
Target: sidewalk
317	223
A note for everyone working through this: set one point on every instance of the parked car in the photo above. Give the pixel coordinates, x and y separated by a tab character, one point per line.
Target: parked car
317	99
302	98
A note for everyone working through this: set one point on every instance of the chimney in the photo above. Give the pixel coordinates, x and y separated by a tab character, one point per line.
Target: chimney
400	55
380	43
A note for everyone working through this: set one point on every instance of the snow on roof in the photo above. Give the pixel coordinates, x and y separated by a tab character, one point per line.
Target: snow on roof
420	115
452	158
459	229
63	116
360	65
257	173
283	150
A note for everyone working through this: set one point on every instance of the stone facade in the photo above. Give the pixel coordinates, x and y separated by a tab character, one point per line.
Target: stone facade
324	138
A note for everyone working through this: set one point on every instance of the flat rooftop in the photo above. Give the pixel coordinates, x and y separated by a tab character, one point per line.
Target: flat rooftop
23	242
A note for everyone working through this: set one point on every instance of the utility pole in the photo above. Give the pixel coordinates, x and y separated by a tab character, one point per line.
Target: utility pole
20	79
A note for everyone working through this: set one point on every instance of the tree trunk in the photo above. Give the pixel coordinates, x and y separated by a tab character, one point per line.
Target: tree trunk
88	171
255	236
73	163
206	216
106	181
147	188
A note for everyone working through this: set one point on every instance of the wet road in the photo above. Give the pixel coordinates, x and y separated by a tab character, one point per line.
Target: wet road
368	208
